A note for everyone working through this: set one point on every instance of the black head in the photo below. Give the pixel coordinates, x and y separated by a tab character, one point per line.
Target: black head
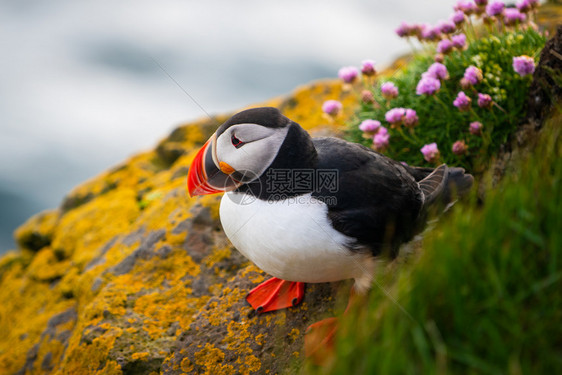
245	147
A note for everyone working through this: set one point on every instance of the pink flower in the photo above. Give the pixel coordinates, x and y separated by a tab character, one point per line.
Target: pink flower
370	126
367	97
413	29
437	71
475	128
389	91
447	27
380	140
430	152
488	20
428	86
348	74
459	41
512	16
523	65
445	46
495	8
404	29
459	148
473	75
458	17
534	3
332	107
462	102
368	68
465	84
524	6
394	116
466	6
410	118
429	32
484	100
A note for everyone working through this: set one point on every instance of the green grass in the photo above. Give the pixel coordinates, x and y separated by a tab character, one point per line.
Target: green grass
484	296
443	123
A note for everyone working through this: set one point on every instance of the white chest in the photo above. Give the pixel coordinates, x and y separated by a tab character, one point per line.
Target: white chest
290	239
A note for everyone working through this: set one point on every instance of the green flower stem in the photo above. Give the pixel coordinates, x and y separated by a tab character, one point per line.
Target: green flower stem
475	114
407	138
493	115
413	134
442	103
376	104
487	137
488	28
447	112
499	107
473	37
368	82
412	45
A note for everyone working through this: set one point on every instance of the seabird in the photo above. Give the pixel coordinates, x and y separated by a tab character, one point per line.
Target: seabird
312	210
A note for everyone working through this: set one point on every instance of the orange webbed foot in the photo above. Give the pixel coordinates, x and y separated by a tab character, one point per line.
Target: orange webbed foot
275	294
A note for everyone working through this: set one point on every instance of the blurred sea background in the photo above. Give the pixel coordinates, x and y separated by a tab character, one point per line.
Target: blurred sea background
81	89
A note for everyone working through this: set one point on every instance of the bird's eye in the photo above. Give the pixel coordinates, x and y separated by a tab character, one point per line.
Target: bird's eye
236	142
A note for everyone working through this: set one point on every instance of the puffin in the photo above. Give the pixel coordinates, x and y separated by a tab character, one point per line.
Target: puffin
313	210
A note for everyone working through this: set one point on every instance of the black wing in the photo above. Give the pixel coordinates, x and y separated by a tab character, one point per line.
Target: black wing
377	201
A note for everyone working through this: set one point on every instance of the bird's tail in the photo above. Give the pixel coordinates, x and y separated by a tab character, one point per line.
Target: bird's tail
443	185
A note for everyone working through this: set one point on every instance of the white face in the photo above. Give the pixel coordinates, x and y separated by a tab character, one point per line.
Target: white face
249	148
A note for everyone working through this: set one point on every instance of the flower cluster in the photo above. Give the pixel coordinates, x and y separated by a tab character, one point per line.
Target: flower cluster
332	108
472	76
449	33
401	116
368	68
430	82
430	152
462	102
370	127
379	134
459	148
454	108
484	100
475	128
380	140
428	86
523	65
389	91
437	71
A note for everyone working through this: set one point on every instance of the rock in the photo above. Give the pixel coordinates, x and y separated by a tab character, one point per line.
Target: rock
546	87
37	232
228	337
145	251
131	276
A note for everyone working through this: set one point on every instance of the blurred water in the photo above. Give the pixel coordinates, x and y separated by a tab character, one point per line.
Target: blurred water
79	91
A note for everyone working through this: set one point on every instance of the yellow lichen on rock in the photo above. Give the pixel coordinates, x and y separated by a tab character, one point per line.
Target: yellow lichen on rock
85	229
131	275
142	356
210	359
38	231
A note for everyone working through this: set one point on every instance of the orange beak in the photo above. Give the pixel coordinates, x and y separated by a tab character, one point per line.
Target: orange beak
205	177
